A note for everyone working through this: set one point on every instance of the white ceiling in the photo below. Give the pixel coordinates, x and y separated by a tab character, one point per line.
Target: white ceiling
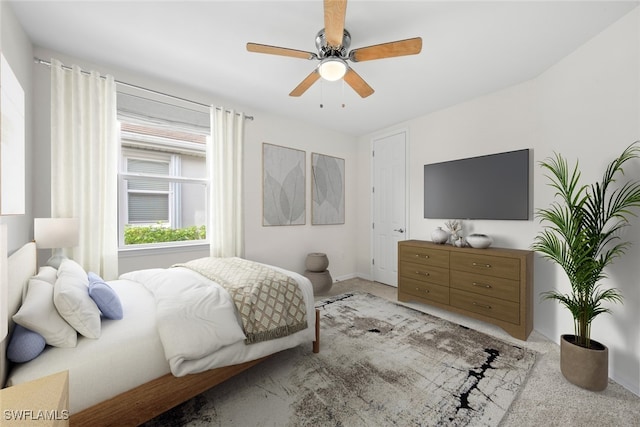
469	48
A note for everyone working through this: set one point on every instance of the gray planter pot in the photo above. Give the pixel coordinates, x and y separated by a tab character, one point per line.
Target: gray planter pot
585	367
321	281
317	262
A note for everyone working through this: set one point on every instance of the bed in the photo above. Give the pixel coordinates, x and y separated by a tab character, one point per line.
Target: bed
123	377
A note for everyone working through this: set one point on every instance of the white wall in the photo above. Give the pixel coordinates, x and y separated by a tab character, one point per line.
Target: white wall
16	47
590	109
282	246
586	107
288	246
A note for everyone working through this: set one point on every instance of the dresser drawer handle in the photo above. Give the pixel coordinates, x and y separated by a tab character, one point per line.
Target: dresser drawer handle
488	307
482	285
425	273
426	291
475	264
426	256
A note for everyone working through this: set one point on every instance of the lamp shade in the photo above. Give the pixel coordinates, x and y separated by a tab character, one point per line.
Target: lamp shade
332	68
56	232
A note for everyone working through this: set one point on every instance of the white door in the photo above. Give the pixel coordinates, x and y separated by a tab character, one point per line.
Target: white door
389	205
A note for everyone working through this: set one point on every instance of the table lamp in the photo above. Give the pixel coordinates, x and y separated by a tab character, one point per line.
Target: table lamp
56	234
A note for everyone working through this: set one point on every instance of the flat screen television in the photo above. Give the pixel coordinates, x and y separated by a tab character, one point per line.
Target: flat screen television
494	186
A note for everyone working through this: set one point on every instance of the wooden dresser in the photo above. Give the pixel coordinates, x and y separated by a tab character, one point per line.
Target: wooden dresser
494	285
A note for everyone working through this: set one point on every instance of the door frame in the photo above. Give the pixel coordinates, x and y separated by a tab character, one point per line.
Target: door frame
407	206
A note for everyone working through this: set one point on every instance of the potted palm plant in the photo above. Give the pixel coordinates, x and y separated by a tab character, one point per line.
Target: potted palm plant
581	233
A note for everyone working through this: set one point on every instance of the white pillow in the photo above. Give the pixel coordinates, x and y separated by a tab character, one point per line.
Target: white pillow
38	314
46	273
71	298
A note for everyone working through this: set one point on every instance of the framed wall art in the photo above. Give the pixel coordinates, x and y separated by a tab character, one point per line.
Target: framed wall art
12	141
327	187
283	185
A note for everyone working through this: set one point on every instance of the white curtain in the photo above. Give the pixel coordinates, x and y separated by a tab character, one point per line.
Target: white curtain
84	163
224	162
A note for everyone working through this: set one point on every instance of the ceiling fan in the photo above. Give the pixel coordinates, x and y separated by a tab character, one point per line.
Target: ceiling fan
333	43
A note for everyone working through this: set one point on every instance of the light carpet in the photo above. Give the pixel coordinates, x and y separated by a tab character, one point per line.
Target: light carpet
380	364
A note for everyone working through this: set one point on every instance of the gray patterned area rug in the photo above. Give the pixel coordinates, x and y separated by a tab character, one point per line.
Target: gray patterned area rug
380	364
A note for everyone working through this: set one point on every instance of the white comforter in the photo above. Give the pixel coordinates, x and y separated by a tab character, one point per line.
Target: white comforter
196	317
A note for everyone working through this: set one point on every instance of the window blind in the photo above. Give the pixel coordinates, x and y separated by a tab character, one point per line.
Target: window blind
136	108
148	200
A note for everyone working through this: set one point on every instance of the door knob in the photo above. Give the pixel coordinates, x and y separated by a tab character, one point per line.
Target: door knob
399	230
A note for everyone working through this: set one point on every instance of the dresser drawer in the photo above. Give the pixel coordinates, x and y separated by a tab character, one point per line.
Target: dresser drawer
424	290
491	307
496	266
427	256
424	273
495	287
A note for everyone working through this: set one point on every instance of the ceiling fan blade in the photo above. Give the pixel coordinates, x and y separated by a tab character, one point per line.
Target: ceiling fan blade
334	16
387	50
306	83
283	51
358	84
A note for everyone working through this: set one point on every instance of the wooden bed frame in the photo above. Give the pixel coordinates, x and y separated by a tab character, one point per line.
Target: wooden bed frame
141	403
151	399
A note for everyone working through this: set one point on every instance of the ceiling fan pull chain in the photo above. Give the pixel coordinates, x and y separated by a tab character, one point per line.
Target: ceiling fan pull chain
343	104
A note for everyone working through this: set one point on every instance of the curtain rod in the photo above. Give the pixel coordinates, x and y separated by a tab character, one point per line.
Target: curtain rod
48	64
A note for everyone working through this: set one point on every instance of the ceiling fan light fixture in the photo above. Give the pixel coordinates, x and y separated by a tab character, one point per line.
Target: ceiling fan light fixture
332	68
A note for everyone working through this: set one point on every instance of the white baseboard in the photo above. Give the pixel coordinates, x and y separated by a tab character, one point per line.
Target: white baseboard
352	276
344	277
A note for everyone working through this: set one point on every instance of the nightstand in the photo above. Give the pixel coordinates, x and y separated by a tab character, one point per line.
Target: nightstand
41	402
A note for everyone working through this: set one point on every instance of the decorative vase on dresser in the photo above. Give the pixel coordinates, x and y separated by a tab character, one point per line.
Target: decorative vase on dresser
439	236
494	285
479	241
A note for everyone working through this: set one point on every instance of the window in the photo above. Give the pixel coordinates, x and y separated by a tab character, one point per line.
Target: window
148	201
163	180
